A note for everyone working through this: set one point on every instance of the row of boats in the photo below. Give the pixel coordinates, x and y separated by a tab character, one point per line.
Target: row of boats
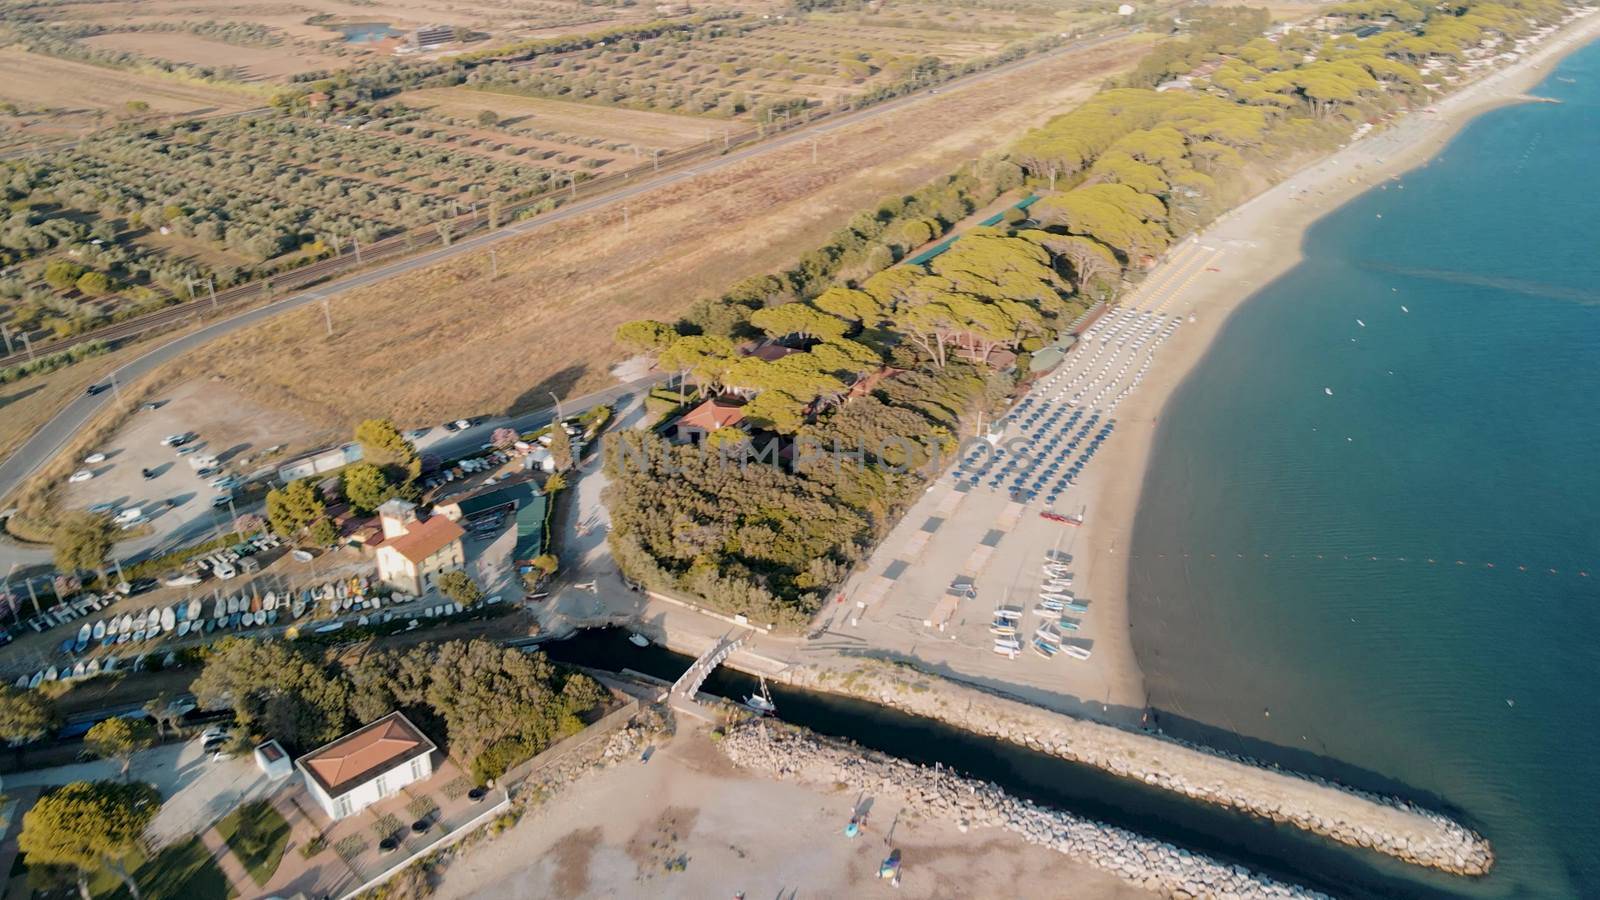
1057	606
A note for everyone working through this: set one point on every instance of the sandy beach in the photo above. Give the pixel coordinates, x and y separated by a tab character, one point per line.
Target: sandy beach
1248	248
690	824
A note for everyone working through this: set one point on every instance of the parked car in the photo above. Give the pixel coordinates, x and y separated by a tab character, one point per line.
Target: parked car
131	514
80	476
93	389
221	500
103	508
417	433
135	587
148	473
181	579
177	440
96	457
187	449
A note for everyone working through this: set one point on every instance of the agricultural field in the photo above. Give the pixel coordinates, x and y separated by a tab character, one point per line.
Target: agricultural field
515	113
128	218
753	68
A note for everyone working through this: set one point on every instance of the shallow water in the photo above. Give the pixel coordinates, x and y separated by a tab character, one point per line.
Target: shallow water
1296	590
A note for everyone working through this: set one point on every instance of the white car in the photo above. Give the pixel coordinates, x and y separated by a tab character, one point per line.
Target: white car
302	555
177	440
224	482
94	458
80	475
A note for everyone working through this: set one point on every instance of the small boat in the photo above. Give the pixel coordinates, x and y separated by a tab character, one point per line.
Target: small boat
169	619
52	674
1060	597
169	660
270	601
1047	609
92	669
1328	391
195	609
362	620
84	634
211	625
79	668
1076	606
138	635
1361	323
1007	643
1044	648
762	702
297	610
113	625
638	640
232	620
1067	624
219	608
331	626
183	628
21	683
34	681
124	637
272	617
1074	651
261	617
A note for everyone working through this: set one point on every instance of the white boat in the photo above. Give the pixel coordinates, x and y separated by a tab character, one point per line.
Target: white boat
34	681
297	609
110	664
232	606
218	608
183	627
1063	597
272	617
169	619
1074	651
331	626
1007	643
195	609
78	668
1048	610
270	601
762	702
261	617
113	625
92	669
138	635
361	621
638	640
52	674
84	633
21	683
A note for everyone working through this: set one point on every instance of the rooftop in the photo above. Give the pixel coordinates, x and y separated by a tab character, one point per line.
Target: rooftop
425	538
364	753
713	414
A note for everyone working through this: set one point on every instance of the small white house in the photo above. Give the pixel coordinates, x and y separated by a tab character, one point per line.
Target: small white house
367	765
274	761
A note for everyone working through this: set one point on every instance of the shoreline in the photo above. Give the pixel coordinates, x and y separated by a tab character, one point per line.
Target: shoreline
1261	240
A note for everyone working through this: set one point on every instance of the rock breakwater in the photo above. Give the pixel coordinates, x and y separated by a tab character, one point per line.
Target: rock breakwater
1387	825
789	753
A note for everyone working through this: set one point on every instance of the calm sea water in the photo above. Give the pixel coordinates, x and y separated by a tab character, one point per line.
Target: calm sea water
1297	592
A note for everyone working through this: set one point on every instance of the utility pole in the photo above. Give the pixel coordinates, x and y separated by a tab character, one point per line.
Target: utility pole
494	265
327	316
655	159
212	284
559	417
572	183
26	342
724	139
6	333
355	239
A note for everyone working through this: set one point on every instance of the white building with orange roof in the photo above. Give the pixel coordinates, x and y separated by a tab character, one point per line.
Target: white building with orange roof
367	765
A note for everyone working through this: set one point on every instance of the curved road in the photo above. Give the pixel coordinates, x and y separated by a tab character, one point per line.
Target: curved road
55	434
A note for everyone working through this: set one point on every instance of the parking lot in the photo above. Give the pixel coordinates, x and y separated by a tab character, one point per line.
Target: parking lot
176	501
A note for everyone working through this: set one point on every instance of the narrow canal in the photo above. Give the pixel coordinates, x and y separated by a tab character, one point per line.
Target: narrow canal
1285	853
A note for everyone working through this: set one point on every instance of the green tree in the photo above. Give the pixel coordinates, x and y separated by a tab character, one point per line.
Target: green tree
556	483
63	274
25	715
119	739
646	336
367	487
295	507
94	284
382	444
275	689
160	709
83	540
459	586
89	826
560	447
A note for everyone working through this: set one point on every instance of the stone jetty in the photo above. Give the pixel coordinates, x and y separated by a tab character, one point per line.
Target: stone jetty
785	752
1387	825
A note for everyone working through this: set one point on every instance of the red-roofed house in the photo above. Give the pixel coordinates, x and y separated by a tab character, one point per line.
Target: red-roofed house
367	765
415	551
712	415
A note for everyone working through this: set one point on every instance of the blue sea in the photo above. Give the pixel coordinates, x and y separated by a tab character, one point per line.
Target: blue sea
1398	584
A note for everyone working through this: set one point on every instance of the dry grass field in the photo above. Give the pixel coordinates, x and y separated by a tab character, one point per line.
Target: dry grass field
32	81
448	341
256	63
627	126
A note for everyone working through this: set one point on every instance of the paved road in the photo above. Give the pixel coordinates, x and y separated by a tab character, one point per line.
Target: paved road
56	433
